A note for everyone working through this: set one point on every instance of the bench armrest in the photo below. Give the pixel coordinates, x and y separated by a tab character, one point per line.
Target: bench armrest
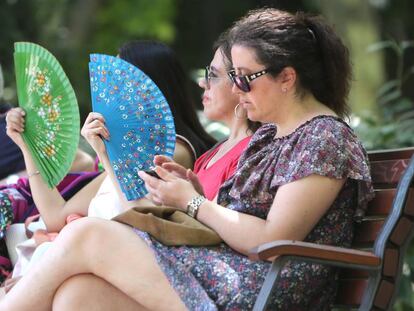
323	253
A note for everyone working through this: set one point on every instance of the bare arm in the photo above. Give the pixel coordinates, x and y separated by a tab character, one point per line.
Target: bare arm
182	157
294	212
83	163
94	128
51	205
94	131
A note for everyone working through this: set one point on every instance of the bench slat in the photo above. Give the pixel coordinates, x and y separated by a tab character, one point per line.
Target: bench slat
386	174
381	204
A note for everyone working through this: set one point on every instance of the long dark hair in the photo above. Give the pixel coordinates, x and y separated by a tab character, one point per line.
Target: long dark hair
302	41
161	64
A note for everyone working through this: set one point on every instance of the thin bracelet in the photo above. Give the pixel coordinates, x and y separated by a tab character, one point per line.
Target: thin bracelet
33	174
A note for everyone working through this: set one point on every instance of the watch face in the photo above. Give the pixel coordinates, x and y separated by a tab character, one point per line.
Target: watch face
192	210
194	204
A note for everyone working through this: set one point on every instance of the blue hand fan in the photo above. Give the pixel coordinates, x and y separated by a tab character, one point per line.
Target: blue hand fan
137	116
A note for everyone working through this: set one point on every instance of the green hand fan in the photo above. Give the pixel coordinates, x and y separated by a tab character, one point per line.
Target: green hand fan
52	114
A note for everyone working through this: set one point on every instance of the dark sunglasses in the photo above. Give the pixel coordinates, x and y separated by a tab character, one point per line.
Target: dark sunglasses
243	82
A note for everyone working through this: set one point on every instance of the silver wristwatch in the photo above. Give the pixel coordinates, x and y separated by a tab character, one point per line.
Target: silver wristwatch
194	204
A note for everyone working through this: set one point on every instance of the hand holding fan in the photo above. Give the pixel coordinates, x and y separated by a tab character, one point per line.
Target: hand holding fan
52	115
137	116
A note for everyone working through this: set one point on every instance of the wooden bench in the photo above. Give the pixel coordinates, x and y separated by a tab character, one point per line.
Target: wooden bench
371	270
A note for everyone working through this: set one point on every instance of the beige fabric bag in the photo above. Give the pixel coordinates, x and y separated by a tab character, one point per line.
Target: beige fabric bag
169	225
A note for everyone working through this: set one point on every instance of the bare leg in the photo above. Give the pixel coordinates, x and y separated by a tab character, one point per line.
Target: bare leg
88	292
107	249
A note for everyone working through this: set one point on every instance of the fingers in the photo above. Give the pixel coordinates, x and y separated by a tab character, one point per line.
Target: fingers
97	130
152	184
94	116
169	190
15	119
17	110
176	169
161	159
164	174
157	201
153	194
193	178
191	175
95	125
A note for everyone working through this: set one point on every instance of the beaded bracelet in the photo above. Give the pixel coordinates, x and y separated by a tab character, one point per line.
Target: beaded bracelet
33	174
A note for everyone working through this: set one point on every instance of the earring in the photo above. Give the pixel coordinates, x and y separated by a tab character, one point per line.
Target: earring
237	115
284	89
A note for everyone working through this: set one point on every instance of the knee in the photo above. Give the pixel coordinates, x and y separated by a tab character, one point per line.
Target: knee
72	294
82	233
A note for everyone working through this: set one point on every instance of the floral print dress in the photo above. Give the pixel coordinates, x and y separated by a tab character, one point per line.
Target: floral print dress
219	278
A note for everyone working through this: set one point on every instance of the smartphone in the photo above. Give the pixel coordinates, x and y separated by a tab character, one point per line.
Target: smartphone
152	173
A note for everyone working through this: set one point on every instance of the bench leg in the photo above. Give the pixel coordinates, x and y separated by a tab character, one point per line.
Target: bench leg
265	293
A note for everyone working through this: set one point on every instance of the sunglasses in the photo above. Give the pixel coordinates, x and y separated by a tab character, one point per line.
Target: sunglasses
243	82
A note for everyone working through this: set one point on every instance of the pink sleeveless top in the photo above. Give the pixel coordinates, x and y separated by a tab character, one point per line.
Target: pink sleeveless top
214	176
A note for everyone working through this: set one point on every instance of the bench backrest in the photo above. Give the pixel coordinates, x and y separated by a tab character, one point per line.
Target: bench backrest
386	229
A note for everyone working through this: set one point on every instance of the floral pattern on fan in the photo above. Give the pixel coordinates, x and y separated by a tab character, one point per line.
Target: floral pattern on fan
49	112
52	116
137	116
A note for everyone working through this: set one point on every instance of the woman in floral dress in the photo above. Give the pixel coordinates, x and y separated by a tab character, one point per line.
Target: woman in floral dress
304	176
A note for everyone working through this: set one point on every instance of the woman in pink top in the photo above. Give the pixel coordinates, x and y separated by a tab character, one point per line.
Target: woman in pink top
212	174
218	164
220	104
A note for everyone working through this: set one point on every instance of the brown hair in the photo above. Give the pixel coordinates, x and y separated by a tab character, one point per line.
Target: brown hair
304	42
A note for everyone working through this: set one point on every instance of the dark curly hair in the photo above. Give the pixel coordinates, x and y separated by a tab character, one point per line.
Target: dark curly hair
304	42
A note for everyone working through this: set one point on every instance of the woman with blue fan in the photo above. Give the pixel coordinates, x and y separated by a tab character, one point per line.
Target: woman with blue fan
219	164
215	166
159	62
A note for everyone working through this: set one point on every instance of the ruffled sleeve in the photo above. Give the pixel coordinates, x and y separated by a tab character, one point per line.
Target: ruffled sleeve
329	148
324	146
